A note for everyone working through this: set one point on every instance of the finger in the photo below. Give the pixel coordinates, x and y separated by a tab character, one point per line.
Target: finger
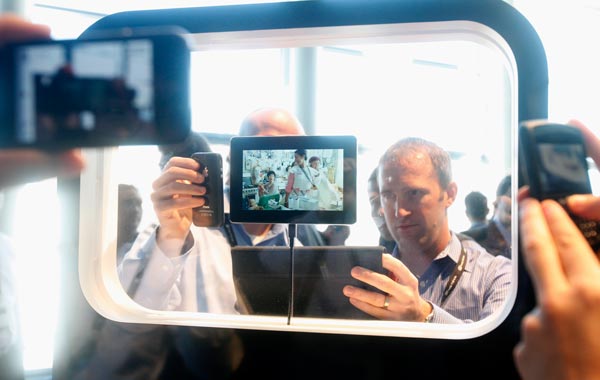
177	190
372	298
174	174
574	252
182	162
585	205
401	273
21	166
592	143
374	311
178	203
377	280
14	29
539	250
523	193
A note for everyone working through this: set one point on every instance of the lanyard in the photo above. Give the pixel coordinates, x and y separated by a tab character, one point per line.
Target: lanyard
459	268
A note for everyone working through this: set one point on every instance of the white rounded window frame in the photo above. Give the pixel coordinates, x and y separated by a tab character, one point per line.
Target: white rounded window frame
98	194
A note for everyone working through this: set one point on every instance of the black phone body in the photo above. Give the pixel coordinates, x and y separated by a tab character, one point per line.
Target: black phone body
555	166
211	214
112	90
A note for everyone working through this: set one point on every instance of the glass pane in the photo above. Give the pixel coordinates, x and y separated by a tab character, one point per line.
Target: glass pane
456	92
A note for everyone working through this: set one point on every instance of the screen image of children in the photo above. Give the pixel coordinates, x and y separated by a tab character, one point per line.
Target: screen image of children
282	179
301	183
328	193
310	188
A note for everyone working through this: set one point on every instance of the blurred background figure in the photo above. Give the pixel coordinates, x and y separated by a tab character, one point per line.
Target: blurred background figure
476	208
385	237
130	216
495	237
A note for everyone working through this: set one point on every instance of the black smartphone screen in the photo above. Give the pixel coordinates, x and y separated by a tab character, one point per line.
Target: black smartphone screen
96	92
563	168
554	160
555	166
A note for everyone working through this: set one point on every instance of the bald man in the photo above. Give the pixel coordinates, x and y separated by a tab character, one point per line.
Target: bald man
189	268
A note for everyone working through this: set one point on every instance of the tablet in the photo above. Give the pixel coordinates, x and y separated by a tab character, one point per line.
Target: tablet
262	279
293	179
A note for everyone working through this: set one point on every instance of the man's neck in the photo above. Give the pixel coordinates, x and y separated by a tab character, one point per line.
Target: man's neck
419	259
257	229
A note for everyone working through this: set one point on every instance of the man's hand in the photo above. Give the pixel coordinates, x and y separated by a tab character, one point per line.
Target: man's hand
560	337
402	302
14	29
176	192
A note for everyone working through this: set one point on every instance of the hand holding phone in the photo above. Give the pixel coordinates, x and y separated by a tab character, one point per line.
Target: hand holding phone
211	214
554	166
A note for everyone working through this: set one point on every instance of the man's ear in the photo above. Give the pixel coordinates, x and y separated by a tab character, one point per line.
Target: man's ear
451	191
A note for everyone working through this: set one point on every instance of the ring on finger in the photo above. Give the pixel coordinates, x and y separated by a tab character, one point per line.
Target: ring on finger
386	302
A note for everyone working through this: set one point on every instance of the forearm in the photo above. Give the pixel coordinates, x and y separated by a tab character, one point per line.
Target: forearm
149	275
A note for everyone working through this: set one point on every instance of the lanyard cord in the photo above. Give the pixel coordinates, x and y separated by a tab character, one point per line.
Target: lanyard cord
459	268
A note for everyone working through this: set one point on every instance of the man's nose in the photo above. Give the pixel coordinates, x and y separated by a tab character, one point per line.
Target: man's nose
401	210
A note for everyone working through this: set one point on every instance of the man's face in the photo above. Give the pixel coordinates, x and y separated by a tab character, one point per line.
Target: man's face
503	210
377	212
130	210
413	202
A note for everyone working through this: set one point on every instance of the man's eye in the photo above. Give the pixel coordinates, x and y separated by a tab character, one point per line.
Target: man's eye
387	196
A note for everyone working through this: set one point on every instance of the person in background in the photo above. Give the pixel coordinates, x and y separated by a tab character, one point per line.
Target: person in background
117	350
386	239
559	337
130	216
301	179
269	187
328	194
476	209
434	276
199	273
496	236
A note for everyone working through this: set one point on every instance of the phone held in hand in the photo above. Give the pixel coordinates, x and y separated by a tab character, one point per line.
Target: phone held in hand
118	88
554	165
211	214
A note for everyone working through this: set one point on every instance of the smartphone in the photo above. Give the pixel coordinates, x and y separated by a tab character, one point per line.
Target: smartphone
119	89
211	214
554	166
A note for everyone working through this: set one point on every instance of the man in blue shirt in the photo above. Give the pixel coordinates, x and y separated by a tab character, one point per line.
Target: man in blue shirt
435	275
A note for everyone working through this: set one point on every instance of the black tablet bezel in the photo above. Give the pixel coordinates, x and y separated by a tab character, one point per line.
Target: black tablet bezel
240	144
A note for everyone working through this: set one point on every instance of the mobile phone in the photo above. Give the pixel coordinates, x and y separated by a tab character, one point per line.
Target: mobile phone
116	89
211	214
555	166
